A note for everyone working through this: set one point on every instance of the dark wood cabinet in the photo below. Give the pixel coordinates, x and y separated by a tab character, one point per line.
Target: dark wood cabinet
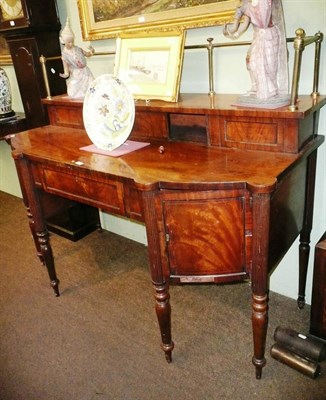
12	125
31	29
26	49
26	14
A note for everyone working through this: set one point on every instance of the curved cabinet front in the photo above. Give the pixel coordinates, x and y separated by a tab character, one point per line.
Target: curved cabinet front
206	235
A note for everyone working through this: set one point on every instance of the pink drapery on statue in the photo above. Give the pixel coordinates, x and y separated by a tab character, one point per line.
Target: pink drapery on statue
80	75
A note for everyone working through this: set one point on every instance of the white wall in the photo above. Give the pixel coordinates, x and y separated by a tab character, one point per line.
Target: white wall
230	77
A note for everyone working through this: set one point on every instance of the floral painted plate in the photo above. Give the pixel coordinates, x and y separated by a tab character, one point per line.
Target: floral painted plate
108	112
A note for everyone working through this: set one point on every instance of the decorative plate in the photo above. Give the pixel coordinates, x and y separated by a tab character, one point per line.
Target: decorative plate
108	112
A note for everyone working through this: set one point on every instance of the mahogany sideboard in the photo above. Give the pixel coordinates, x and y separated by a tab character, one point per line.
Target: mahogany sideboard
223	201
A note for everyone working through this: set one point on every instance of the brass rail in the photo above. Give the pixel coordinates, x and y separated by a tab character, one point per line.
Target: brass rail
43	61
300	42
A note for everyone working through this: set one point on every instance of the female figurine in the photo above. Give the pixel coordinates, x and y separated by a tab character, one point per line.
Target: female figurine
267	56
76	72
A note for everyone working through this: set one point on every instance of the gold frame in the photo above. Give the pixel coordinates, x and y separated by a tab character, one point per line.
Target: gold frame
215	13
151	65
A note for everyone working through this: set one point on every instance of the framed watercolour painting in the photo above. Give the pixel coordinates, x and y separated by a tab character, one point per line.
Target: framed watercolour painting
108	18
151	65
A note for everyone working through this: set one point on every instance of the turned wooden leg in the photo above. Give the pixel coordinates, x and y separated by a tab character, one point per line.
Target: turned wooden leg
36	220
34	235
162	296
304	247
44	252
304	251
47	256
259	278
163	312
259	328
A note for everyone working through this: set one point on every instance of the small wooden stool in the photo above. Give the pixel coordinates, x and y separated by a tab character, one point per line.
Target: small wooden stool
318	300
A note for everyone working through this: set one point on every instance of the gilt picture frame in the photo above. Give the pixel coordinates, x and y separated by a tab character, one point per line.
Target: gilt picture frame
102	19
151	65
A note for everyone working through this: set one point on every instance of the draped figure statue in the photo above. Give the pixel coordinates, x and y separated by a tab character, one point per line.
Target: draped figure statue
78	75
267	59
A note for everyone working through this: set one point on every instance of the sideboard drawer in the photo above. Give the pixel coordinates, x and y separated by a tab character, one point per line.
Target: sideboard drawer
107	195
266	134
150	124
66	116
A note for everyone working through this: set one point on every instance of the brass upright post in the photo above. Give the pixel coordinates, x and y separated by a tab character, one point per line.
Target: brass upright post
210	66
45	76
298	49
315	92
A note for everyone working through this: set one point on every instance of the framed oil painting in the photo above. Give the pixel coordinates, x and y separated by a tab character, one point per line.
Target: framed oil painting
102	19
151	65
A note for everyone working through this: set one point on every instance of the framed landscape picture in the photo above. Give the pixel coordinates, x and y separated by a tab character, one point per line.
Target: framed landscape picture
151	65
108	18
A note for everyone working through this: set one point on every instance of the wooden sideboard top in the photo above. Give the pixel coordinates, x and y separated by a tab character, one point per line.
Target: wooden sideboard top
183	165
221	104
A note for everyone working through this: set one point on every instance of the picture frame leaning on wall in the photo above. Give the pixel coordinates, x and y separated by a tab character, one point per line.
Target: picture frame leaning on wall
151	65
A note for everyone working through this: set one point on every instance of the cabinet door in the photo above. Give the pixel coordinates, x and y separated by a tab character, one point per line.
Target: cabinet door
26	67
205	236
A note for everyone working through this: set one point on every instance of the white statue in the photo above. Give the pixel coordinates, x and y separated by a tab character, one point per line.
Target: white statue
266	60
78	75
